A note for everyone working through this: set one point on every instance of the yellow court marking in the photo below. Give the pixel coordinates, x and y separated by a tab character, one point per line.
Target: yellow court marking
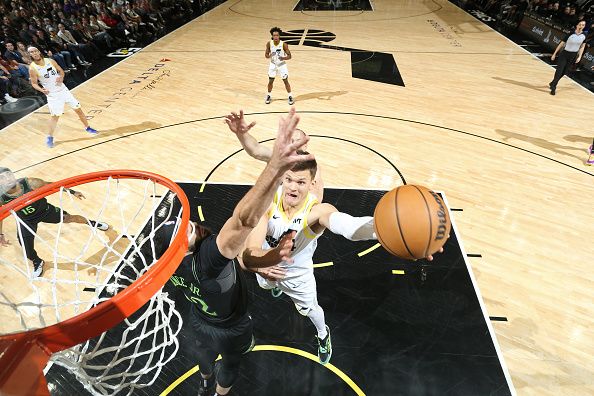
397	272
371	249
200	215
328	264
278	348
202	187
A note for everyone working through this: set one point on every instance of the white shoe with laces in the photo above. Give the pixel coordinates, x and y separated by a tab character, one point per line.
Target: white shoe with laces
100	225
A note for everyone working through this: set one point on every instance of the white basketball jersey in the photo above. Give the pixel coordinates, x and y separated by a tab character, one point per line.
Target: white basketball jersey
305	241
276	51
47	76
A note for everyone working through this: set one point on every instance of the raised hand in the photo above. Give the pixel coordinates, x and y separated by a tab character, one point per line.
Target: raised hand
237	124
285	246
284	153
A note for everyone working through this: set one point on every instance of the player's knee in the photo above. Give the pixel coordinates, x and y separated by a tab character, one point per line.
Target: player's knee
303	310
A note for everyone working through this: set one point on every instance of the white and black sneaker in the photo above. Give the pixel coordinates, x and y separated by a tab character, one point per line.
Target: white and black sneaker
268	99
291	101
325	347
38	268
100	225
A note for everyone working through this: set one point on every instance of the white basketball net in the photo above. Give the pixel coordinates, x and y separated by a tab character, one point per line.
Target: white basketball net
85	266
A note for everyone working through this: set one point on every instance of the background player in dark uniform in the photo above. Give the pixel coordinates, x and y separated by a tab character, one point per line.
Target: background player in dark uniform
37	212
210	275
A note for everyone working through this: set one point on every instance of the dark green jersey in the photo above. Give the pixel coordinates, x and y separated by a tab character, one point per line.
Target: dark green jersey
32	211
213	284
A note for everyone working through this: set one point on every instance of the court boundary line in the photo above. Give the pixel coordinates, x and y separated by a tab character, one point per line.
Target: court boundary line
479	296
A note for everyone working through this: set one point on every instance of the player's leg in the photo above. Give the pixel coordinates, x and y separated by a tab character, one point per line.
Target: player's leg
55	104
271	76
284	72
53	122
303	292
240	340
78	219
75	105
206	353
26	239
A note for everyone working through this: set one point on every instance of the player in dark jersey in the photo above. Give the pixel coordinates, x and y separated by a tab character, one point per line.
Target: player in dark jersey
37	212
210	276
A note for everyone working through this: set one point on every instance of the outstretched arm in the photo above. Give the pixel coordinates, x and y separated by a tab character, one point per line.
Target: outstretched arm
239	126
354	228
252	206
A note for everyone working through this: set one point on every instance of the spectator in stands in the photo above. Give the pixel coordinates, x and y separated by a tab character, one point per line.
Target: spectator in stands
17	66
68	41
5	86
99	36
50	49
22	50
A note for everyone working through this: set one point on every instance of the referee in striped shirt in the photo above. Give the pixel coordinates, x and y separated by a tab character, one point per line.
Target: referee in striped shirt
573	47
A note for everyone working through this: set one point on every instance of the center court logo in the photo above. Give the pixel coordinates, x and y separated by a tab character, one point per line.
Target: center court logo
365	64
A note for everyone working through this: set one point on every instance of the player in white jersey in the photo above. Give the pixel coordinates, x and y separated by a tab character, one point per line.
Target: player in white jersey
239	126
297	212
46	72
278	53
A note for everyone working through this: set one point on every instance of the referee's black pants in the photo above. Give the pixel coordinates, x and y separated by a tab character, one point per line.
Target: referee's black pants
564	63
231	343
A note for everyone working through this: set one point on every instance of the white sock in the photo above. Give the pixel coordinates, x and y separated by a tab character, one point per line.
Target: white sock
290	94
269	94
317	318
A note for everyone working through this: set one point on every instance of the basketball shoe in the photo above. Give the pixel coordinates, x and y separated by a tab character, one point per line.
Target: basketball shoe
325	347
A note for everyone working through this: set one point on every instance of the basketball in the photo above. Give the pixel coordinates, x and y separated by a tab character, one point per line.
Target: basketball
411	222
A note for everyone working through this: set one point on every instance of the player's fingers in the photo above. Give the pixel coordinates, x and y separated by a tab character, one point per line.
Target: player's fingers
234	114
298	144
429	258
252	124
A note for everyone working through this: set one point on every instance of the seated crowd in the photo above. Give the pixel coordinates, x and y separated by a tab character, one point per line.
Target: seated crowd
76	33
565	14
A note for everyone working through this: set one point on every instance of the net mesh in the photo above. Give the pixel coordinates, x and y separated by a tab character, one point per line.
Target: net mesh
85	266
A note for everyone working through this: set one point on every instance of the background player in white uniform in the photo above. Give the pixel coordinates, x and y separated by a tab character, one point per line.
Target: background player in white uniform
46	72
295	210
278	53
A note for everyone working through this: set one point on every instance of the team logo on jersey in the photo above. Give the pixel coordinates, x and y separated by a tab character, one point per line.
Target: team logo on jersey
273	242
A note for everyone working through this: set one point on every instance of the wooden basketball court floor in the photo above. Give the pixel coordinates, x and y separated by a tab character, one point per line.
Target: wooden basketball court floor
474	119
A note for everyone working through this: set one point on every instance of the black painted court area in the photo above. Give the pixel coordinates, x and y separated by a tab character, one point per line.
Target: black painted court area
417	333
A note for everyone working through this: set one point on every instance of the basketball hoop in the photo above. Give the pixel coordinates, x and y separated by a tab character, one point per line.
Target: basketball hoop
135	281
